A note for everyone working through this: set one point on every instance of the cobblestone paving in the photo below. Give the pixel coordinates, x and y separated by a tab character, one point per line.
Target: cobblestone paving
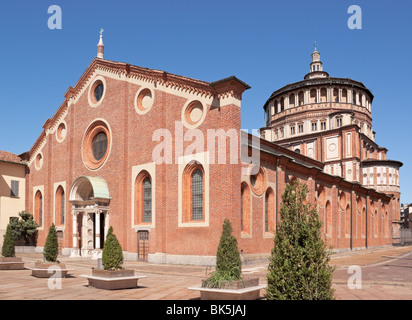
386	274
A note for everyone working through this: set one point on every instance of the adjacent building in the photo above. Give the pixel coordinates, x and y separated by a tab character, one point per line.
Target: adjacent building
12	188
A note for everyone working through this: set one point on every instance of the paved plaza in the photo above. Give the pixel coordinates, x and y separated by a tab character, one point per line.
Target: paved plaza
386	274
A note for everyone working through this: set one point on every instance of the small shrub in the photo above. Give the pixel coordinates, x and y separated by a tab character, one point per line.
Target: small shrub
24	228
112	257
51	248
228	263
8	250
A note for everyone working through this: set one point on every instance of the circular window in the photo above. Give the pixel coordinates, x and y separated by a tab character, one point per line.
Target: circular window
193	114
99	145
39	161
258	180
97	91
61	132
253	180
96	145
143	100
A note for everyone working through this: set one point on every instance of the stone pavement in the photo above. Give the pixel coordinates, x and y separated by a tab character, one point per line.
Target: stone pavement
170	282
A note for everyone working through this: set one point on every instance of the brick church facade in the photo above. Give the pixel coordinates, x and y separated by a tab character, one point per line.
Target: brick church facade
162	159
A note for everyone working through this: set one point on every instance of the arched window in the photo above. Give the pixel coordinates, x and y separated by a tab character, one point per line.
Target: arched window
335	95
347	222
382	229
60	206
328	223
147	200
342	200
282	104
291	100
376	224
363	222
143	198
269	211
323	95
312	98
301	98
245	208
386	224
38	208
321	199
197	195
194	193
344	95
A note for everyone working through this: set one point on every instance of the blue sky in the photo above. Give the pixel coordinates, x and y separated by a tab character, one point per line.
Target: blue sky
267	44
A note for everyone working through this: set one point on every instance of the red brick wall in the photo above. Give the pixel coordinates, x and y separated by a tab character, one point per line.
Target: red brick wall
132	145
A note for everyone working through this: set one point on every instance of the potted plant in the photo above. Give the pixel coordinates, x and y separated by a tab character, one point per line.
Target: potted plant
227	283
113	275
45	268
9	261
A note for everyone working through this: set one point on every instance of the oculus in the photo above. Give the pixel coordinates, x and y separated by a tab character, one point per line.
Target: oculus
61	132
258	180
97	92
193	114
143	101
96	145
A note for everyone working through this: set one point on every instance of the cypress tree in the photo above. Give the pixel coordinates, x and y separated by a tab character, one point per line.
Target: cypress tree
299	263
228	262
112	256
228	256
8	250
51	248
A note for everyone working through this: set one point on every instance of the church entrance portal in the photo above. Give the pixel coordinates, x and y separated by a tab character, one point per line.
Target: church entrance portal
90	201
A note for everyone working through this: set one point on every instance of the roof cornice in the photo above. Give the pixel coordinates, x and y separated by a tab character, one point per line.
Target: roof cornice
319	81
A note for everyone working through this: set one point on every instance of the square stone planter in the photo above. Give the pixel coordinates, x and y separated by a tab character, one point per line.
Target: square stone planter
46	270
246	289
113	280
11	263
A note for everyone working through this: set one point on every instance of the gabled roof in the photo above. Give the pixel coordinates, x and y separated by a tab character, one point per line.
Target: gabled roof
224	87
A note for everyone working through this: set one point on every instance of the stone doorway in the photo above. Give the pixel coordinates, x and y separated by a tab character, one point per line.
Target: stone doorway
90	201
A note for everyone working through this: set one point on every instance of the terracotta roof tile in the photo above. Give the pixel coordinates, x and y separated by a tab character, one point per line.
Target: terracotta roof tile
9	157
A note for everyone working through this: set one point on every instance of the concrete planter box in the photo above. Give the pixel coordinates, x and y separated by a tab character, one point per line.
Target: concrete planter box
247	289
46	270
113	280
11	263
25	249
113	273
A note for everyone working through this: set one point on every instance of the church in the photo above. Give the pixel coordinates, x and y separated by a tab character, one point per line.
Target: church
162	159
